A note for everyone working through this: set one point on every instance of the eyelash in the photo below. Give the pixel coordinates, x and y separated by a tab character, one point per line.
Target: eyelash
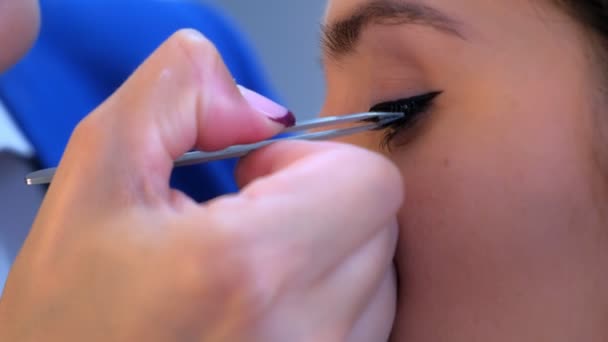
413	107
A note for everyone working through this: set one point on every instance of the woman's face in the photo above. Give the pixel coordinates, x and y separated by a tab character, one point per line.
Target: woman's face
19	22
503	227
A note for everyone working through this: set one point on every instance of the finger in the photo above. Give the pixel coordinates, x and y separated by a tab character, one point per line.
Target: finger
316	202
182	97
268	161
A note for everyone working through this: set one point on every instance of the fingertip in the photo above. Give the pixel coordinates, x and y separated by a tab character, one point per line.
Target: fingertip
272	116
379	175
236	115
268	108
285	121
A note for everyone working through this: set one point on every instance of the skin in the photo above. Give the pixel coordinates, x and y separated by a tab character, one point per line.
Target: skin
504	235
127	258
501	239
20	21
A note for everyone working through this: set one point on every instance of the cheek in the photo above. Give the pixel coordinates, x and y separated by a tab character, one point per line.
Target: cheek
499	169
493	190
517	151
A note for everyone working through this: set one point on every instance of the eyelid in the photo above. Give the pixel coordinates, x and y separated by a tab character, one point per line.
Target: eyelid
413	107
406	104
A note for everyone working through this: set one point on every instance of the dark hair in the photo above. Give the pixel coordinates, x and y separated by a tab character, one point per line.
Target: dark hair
593	14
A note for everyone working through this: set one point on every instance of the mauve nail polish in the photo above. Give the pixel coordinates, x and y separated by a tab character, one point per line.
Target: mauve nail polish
269	108
289	120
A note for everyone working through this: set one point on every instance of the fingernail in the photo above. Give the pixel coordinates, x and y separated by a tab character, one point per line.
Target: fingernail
271	109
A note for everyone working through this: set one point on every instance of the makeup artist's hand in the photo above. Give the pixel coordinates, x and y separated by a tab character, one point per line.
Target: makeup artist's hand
303	253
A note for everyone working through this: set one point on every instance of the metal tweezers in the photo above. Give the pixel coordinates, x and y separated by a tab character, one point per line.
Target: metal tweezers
365	122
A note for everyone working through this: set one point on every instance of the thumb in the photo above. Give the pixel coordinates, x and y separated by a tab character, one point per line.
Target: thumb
182	97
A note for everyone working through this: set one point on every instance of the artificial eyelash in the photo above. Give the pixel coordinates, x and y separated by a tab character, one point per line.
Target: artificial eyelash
412	107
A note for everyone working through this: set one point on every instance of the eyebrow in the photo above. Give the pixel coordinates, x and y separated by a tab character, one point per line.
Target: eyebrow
341	37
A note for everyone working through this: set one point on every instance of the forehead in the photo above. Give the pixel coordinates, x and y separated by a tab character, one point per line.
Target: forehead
469	9
368	12
340	8
493	22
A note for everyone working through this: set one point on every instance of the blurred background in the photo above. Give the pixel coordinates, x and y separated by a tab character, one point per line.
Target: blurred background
286	36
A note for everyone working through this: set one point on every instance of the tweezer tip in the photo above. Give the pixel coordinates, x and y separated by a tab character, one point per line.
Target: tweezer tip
39	177
31	180
385	119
